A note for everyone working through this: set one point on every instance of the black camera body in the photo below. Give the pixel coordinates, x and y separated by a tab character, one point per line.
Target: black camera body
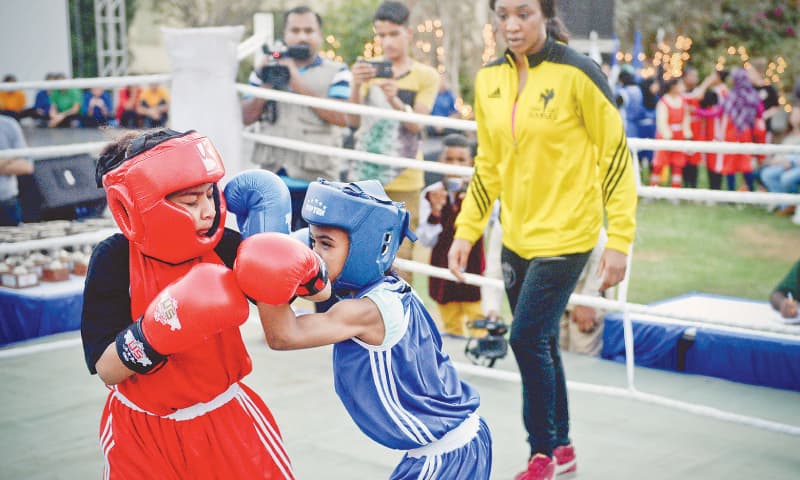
277	75
382	69
486	350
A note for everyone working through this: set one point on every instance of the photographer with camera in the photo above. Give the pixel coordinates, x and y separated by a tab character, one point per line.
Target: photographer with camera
298	67
411	87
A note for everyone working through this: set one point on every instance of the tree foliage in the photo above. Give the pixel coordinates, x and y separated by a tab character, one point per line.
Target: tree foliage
83	42
765	28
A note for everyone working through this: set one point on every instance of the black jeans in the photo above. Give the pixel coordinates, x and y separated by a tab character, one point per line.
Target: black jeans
538	291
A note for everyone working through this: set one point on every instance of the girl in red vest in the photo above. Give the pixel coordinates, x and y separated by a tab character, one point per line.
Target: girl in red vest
672	123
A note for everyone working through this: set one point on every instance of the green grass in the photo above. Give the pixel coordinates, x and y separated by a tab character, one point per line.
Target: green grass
727	250
738	251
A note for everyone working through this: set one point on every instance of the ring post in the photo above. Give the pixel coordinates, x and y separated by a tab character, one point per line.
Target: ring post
203	93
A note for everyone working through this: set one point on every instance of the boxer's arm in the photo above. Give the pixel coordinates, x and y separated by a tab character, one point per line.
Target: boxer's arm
346	319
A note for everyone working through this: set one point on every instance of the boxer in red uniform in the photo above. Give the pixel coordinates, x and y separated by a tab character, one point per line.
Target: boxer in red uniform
161	312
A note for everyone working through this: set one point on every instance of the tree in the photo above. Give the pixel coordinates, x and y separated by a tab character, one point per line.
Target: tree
82	35
764	28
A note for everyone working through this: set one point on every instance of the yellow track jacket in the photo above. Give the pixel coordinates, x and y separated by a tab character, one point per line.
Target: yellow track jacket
557	153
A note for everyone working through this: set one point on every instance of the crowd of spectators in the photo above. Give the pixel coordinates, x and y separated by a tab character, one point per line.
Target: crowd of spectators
739	105
129	107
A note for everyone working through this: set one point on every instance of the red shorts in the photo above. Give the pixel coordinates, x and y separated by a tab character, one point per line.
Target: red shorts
232	436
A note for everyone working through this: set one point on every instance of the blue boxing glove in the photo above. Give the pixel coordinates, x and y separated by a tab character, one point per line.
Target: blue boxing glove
261	202
302	235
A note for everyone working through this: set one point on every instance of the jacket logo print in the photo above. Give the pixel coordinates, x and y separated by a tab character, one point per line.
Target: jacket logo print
495	93
546	96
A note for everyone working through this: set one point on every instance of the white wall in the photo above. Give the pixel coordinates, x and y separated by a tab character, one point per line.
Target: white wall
34	35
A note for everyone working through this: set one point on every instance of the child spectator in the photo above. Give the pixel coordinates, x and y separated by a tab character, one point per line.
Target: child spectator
710	109
389	369
40	111
741	112
439	205
443	106
127	100
672	123
782	173
153	106
12	102
65	105
647	122
96	107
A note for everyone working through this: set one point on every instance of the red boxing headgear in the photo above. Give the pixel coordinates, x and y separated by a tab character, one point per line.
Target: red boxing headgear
137	191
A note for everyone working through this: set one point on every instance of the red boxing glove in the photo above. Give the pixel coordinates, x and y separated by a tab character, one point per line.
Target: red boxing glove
273	267
202	303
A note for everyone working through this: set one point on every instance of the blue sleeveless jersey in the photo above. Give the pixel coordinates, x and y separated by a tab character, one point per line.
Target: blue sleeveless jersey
404	393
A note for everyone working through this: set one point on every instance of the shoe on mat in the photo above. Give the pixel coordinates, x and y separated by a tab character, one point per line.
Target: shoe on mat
565	459
540	467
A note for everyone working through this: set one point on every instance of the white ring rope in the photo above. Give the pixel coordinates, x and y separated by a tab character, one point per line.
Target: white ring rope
250	45
53	150
353	108
87	238
634	394
694	194
469	125
652	314
104	82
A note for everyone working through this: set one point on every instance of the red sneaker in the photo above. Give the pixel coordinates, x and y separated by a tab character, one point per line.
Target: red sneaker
565	459
540	467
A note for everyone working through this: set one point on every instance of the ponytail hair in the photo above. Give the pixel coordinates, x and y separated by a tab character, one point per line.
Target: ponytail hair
557	30
555	27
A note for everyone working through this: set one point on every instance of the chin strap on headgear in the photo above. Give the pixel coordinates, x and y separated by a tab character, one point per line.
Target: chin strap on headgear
375	224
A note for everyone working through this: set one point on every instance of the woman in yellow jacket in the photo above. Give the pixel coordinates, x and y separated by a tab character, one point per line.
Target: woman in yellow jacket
552	147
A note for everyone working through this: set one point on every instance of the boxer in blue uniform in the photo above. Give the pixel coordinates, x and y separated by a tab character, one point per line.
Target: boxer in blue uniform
389	369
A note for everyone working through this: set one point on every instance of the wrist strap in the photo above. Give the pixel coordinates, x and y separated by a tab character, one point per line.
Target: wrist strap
135	351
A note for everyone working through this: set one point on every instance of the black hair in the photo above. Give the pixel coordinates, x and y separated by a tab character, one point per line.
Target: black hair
649	99
300	10
555	27
627	78
129	145
723	74
394	12
456	140
668	84
710	98
10	78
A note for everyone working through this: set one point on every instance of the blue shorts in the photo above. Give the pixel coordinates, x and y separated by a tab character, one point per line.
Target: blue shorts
472	460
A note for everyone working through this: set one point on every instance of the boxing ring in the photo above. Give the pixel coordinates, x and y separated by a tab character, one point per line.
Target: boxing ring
634	388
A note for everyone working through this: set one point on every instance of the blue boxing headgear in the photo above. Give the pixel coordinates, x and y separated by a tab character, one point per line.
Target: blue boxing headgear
376	226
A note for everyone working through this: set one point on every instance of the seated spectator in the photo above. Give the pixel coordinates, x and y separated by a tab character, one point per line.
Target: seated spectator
11	137
581	326
443	106
153	106
439	205
96	107
782	173
12	102
784	295
40	111
127	99
672	123
65	105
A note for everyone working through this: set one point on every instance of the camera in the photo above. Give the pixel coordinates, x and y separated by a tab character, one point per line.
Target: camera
382	69
486	350
277	75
